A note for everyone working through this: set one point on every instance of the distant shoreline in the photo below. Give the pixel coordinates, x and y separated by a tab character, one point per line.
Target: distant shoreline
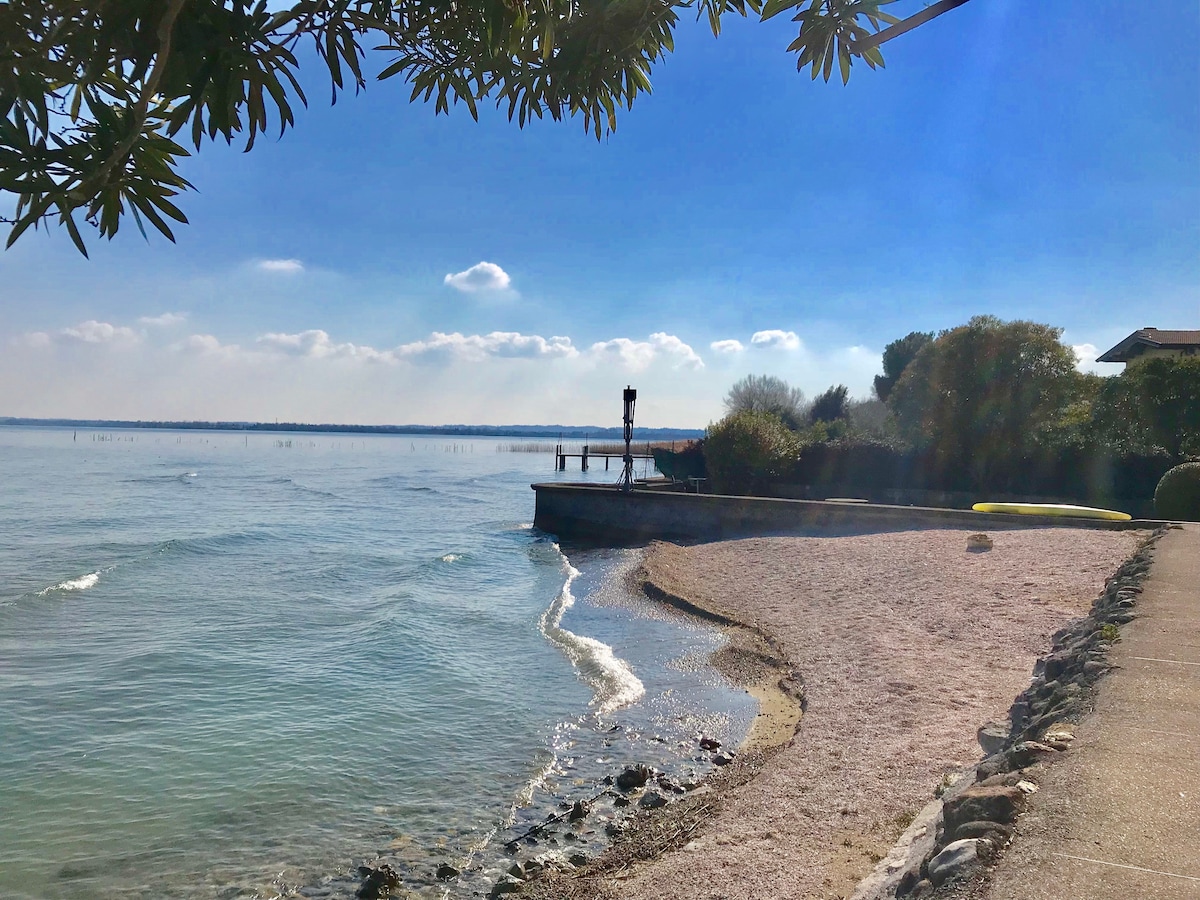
568	432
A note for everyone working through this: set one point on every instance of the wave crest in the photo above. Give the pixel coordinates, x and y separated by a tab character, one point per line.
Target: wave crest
82	583
612	681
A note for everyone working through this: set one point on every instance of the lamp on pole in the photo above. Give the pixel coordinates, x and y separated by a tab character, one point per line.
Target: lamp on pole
625	483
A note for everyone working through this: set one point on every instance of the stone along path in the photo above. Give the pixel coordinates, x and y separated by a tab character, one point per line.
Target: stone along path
1118	818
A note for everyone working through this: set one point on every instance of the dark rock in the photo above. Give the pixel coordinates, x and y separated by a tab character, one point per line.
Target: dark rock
634	777
1093	669
953	860
506	885
516	870
620	801
1005	779
378	881
1027	753
723	758
981	830
670	784
707	743
445	872
652	800
579	810
922	888
992	766
1057	663
999	803
578	860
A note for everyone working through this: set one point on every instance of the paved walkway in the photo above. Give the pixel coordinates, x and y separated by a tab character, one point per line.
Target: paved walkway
1118	817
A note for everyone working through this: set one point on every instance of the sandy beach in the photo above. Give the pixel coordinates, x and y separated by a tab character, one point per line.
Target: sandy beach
905	644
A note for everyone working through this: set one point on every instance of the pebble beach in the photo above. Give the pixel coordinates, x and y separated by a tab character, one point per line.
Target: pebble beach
904	644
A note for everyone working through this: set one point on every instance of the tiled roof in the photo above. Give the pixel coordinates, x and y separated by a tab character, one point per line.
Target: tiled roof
1169	338
1150	337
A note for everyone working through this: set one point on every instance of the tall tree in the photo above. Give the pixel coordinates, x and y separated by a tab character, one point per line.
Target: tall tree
767	394
1152	405
896	357
829	406
95	93
982	396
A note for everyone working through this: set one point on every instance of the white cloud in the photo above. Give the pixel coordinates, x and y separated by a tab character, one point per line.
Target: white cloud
166	320
281	266
1085	355
483	276
34	339
727	347
672	346
509	344
638	355
774	339
316	344
93	332
205	345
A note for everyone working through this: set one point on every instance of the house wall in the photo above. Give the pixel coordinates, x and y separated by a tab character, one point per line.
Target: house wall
1160	353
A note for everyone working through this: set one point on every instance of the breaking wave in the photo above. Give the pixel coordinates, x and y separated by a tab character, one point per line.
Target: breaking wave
612	681
82	583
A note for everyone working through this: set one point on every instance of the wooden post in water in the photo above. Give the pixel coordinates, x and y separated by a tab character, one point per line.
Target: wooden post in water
584	458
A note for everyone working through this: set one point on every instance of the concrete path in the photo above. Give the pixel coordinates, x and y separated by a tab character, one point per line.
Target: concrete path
1118	817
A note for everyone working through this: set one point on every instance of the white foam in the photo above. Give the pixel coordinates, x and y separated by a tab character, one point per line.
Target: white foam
612	681
450	557
82	583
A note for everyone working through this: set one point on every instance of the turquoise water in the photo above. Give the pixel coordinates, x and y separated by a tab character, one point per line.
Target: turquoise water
240	665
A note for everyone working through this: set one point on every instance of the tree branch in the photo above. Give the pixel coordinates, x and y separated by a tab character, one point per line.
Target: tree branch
903	27
149	89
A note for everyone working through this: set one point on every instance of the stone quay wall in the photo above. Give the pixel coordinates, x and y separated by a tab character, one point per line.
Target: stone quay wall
602	514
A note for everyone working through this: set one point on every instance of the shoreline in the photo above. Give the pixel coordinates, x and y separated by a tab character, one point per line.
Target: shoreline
796	815
751	660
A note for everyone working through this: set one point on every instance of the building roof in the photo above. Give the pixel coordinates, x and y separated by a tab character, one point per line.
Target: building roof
1150	338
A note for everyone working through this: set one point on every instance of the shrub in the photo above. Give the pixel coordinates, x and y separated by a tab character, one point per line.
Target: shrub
747	451
1178	493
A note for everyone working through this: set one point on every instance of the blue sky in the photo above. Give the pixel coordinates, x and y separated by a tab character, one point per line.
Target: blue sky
1026	159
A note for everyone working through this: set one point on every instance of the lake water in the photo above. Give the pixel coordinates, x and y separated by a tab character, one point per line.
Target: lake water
241	665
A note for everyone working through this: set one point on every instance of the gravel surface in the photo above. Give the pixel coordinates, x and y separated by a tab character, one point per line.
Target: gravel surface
906	643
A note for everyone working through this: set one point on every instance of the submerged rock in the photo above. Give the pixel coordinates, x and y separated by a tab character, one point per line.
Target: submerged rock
634	777
579	810
378	881
446	871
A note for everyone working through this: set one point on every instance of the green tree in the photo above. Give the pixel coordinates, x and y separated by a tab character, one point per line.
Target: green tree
748	450
768	394
829	406
984	395
95	94
896	357
1152	405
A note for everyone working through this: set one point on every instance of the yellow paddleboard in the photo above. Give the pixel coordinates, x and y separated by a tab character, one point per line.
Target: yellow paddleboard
1053	509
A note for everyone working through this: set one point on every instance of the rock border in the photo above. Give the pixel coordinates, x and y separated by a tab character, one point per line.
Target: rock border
960	835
